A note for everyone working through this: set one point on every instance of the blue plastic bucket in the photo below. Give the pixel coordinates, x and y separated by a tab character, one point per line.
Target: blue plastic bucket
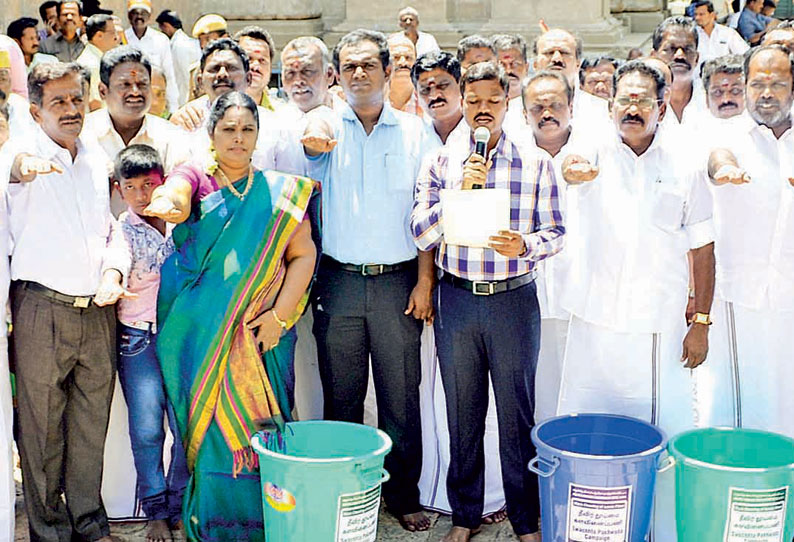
321	483
597	475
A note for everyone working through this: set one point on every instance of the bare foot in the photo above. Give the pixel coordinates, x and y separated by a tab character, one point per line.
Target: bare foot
157	531
418	521
534	537
497	517
460	534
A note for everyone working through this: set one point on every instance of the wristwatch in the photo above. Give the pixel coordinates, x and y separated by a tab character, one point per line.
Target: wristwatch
701	318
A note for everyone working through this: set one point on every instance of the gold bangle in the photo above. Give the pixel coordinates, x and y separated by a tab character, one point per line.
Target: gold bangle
278	320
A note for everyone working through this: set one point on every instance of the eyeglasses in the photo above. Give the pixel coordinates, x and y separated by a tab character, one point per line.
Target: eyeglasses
642	103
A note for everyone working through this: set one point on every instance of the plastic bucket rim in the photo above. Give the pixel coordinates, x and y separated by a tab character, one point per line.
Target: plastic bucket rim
680	457
383	450
655	450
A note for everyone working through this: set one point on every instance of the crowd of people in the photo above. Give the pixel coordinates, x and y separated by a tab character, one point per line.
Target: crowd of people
195	256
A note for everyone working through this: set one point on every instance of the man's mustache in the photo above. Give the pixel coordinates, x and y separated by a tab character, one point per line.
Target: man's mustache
484	116
682	62
548	121
437	101
726	105
633	118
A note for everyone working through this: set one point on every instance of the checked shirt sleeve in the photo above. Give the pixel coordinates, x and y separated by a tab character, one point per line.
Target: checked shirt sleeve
546	237
426	224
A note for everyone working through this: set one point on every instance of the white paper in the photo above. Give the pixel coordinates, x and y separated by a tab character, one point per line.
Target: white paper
472	216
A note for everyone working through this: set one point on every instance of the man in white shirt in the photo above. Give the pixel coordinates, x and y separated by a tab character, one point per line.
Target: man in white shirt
224	67
559	50
152	42
436	77
64	344
715	40
306	74
185	51
258	45
23	31
627	290
473	49
753	191
101	32
511	54
409	22
596	75
675	41
126	90
723	79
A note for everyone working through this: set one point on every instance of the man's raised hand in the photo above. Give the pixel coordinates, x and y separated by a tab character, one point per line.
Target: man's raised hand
27	167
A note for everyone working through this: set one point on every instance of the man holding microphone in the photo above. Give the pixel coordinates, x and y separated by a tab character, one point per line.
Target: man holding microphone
486	304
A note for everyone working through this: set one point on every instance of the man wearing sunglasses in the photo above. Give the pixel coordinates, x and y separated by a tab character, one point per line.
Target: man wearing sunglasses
629	350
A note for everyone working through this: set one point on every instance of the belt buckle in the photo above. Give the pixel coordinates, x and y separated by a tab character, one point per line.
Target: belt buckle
81	302
364	269
477	291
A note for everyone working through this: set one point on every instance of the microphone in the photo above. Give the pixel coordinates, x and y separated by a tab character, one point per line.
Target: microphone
481	137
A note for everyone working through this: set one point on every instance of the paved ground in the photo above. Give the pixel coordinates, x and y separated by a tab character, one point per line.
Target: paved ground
389	529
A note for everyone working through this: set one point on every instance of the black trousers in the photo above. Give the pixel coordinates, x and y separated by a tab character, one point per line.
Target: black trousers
500	335
66	370
356	317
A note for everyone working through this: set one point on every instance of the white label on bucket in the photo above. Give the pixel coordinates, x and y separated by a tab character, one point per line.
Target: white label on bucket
756	515
357	519
598	514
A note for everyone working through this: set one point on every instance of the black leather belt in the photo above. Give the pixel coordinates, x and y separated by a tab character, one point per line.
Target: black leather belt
369	269
80	302
489	287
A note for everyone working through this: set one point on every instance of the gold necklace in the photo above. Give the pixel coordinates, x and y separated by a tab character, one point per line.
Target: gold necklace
231	187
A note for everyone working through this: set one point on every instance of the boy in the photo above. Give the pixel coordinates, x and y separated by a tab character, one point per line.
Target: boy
138	170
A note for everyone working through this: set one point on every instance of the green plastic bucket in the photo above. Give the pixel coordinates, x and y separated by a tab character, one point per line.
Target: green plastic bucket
733	485
321	481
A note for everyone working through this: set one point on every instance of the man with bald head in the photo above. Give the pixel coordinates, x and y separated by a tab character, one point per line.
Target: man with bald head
752	179
783	34
409	22
560	51
401	93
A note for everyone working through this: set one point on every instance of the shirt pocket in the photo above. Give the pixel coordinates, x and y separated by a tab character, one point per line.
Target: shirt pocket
667	212
400	178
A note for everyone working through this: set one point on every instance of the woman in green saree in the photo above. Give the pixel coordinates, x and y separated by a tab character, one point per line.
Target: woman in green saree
229	297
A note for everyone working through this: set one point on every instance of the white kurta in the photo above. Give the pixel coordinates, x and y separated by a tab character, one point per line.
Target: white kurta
157	47
723	41
750	363
7	492
628	286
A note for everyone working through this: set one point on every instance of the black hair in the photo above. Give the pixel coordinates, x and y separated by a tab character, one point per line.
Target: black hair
233	98
750	54
120	55
136	160
17	27
638	66
769	4
475	41
171	17
436	59
723	64
687	23
357	36
224	44
97	23
78	2
576	39
698	3
257	33
594	61
49	4
502	42
43	73
546	74
4	110
485	71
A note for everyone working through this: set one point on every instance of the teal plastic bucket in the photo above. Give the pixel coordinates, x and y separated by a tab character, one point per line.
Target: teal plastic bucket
733	485
321	481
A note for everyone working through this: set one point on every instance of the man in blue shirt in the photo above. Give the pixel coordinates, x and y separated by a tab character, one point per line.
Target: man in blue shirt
752	24
373	291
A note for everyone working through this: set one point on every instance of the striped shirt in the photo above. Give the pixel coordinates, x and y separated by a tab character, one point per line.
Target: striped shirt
534	209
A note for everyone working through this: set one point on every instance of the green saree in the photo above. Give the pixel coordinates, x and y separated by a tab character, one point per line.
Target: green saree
227	269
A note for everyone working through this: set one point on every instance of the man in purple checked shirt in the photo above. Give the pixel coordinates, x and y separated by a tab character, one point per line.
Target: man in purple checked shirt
488	318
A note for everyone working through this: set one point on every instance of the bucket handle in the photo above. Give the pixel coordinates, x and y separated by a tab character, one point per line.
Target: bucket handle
551	468
665	464
367	477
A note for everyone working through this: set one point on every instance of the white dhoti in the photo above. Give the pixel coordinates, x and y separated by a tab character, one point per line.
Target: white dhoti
632	374
308	386
749	370
553	336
